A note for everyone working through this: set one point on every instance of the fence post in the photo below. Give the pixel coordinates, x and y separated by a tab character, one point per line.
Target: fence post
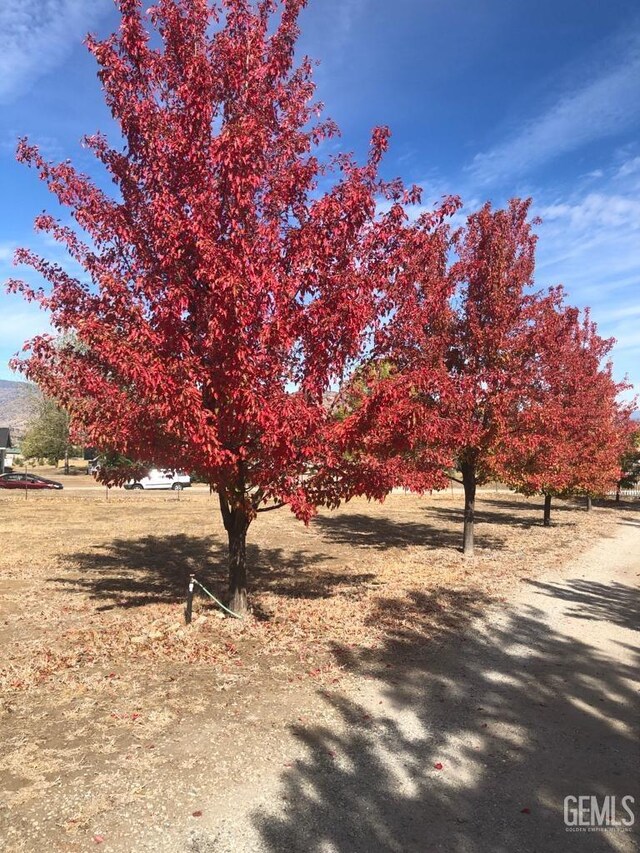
189	605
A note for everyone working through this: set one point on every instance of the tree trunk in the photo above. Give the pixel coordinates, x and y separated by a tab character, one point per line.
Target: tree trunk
236	522
547	510
469	483
617	494
588	503
66	460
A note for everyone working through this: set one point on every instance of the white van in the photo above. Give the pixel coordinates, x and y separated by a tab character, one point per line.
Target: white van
161	478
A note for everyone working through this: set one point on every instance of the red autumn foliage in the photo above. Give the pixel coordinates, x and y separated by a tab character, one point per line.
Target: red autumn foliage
394	409
582	429
475	371
460	348
223	292
495	341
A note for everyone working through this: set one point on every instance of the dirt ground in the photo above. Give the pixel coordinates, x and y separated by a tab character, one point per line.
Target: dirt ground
122	727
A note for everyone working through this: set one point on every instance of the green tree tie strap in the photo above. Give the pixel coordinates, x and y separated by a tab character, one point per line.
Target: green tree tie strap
219	603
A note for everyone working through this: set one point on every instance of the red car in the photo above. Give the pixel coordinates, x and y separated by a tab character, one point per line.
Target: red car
27	481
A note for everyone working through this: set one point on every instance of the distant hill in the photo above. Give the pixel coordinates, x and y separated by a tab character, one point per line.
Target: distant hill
18	401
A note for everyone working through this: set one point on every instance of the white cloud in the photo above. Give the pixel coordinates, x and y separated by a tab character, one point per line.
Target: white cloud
596	211
17	326
592	246
629	167
19	321
347	14
327	30
628	312
590	242
604	105
6	253
36	35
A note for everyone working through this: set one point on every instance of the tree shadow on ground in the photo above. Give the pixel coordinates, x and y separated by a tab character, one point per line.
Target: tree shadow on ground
590	600
365	531
508	517
561	505
156	569
471	742
527	505
624	505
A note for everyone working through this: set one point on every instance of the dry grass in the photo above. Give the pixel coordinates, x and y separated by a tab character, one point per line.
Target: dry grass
100	677
86	582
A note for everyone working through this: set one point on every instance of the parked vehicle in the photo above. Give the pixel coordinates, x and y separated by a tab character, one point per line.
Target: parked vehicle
161	478
27	481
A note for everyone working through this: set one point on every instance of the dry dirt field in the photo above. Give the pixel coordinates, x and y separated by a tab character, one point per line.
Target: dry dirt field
118	722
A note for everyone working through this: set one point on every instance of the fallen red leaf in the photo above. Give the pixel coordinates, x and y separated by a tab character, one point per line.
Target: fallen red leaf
438	765
196	814
98	839
525	810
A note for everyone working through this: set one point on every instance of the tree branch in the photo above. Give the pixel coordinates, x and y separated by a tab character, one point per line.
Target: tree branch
269	508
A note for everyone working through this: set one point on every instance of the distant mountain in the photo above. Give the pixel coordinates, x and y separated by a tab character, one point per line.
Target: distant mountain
18	401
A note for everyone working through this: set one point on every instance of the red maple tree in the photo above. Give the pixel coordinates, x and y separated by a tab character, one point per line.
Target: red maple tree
463	343
224	293
477	373
580	425
494	347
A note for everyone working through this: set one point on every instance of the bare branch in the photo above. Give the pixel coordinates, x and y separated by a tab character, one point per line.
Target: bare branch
269	508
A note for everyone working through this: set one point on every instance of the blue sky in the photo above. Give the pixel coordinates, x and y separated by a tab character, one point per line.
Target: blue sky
485	98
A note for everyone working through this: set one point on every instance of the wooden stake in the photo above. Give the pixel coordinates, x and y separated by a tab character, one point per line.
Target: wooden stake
188	610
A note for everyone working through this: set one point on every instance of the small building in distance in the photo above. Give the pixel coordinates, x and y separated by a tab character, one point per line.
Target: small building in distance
5	445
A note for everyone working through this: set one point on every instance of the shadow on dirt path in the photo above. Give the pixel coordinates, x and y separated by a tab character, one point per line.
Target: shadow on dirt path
472	744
